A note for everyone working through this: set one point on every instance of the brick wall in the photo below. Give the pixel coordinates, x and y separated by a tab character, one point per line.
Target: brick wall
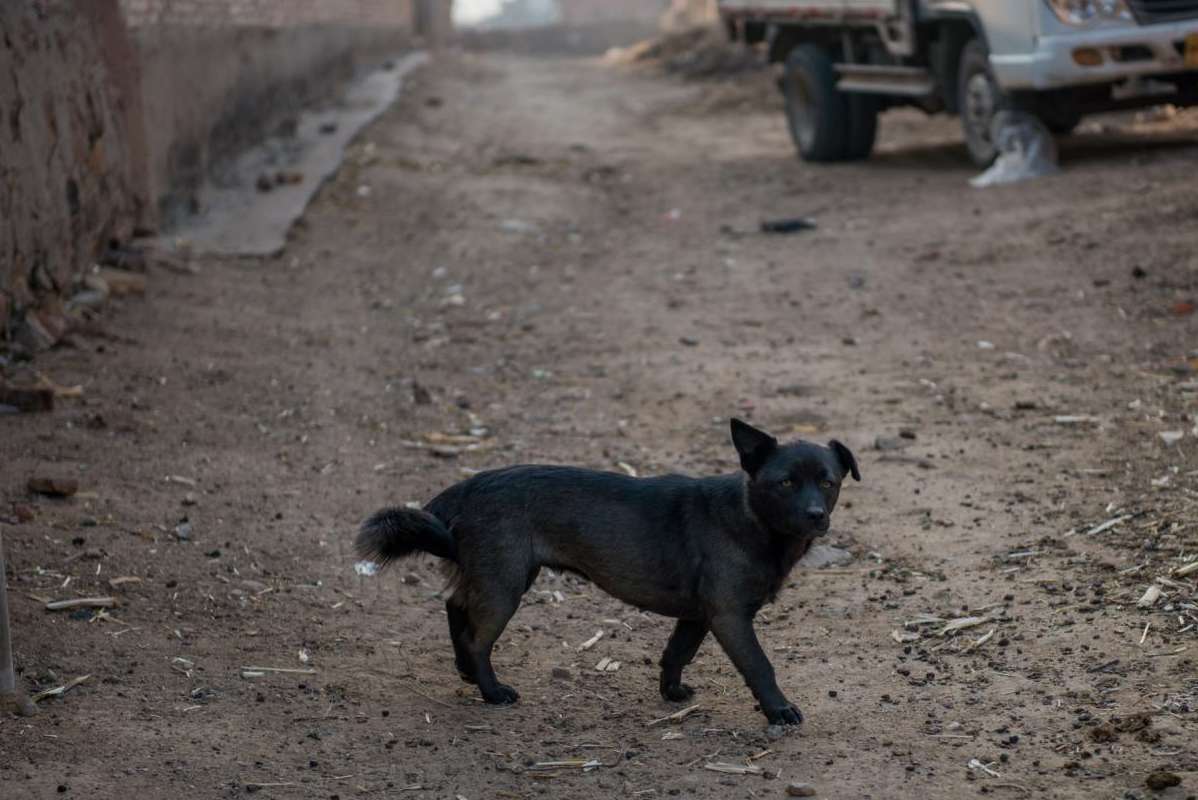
267	13
584	12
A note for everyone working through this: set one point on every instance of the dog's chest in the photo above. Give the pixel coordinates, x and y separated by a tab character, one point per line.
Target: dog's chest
786	556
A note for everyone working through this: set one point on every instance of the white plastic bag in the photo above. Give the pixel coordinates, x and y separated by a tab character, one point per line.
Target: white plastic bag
1026	149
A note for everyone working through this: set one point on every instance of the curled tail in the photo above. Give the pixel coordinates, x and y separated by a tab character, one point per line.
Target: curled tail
395	533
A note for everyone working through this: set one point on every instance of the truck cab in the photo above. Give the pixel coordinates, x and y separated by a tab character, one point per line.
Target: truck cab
845	61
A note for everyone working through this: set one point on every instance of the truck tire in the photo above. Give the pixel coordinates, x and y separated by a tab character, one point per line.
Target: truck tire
979	99
863	125
816	112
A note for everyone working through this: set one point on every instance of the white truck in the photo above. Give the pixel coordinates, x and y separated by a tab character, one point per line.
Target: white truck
844	61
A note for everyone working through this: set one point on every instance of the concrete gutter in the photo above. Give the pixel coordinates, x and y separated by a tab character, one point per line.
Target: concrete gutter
238	219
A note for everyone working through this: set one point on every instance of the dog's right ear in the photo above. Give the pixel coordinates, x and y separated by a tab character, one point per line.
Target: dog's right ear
753	446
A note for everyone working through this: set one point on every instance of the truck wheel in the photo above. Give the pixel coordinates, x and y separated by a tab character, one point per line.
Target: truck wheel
863	125
817	113
979	99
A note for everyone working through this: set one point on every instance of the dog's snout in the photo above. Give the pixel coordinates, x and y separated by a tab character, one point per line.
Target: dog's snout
816	515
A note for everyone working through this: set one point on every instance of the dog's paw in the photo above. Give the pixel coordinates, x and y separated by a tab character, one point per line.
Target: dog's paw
501	695
786	715
678	692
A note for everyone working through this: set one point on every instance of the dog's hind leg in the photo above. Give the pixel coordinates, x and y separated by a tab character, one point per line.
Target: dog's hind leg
459	634
680	650
485	622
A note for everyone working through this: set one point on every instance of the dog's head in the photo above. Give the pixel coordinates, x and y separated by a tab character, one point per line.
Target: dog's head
792	488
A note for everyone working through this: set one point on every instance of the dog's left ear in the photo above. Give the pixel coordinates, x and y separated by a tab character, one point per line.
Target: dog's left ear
753	446
845	457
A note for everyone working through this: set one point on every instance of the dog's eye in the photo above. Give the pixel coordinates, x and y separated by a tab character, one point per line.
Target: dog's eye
825	484
786	484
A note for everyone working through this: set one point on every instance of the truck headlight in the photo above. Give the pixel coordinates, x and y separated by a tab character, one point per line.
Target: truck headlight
1080	12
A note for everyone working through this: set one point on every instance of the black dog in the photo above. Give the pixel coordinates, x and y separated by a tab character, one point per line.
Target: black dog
707	551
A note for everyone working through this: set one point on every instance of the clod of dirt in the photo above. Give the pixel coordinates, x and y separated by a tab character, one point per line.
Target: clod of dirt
1104	733
800	790
1161	780
53	487
562	673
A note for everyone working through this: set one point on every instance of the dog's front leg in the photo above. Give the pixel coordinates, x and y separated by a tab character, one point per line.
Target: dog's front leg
735	634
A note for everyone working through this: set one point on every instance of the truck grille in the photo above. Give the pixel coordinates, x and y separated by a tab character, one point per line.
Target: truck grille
1148	11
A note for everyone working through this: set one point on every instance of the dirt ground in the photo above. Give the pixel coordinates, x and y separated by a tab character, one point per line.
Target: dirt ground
565	254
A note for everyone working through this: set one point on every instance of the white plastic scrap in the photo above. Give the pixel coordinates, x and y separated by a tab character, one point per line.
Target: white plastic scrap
1025	150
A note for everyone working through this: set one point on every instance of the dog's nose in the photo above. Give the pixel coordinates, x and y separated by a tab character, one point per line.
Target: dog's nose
817	516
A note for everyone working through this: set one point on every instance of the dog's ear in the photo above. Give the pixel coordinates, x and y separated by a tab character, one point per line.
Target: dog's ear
848	464
753	446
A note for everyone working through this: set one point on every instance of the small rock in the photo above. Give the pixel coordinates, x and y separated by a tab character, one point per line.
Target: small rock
1172	437
1161	780
800	790
688	341
825	555
53	487
183	530
889	443
562	673
775	731
121	282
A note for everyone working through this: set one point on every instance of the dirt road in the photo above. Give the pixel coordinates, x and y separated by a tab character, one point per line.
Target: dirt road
564	254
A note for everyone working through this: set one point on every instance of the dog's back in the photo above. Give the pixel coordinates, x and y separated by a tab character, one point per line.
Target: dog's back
640	539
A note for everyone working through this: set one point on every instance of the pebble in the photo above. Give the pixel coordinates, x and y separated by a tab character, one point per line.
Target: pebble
562	673
800	790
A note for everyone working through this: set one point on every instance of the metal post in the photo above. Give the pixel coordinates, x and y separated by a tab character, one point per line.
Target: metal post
11	697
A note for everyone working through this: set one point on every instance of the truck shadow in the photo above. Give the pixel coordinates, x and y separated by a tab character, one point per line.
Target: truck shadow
1089	147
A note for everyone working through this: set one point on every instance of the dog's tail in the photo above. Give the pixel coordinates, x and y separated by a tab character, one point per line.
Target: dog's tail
395	533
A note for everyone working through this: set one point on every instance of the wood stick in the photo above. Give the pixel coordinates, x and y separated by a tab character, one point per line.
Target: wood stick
81	602
677	716
11	697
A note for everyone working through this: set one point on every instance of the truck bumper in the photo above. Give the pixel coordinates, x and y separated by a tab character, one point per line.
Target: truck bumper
1126	52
